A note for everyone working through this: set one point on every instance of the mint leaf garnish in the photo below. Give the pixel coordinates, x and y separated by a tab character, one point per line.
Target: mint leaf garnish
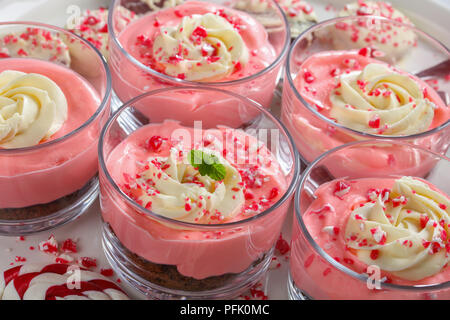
207	164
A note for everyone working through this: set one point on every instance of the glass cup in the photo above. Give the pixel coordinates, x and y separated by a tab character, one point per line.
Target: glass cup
168	258
52	183
131	77
304	109
318	272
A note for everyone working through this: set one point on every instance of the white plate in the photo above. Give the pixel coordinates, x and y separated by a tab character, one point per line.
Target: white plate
431	16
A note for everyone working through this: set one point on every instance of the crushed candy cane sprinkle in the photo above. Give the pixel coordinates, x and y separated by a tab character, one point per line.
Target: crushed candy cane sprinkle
248	187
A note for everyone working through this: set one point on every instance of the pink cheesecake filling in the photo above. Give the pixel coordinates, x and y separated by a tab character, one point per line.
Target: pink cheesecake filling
197	253
327	219
44	175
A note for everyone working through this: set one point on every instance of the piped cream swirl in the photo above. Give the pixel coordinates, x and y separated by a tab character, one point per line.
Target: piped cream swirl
379	100
174	188
407	229
202	48
32	109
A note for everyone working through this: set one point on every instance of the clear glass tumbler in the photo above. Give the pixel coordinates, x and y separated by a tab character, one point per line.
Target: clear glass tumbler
166	257
45	185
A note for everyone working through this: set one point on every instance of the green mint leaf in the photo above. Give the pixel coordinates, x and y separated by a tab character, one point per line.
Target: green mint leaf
207	164
217	171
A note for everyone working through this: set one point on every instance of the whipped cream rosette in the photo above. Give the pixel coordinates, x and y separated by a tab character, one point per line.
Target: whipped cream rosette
380	100
173	187
32	109
404	231
202	48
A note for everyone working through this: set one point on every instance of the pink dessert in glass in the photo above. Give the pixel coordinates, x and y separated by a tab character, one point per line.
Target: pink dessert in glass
332	97
372	237
195	42
54	94
177	222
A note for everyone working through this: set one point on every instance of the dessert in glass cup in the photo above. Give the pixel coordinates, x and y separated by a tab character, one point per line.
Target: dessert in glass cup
193	205
212	43
377	236
334	96
54	93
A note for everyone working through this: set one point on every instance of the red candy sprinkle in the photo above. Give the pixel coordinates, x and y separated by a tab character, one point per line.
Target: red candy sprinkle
374	254
87	262
69	246
282	245
200	31
107	272
308	76
274	193
155	143
364	52
424	220
341	189
375	122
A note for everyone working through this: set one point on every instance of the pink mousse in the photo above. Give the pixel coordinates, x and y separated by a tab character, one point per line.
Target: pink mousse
48	173
317	277
137	40
197	253
315	82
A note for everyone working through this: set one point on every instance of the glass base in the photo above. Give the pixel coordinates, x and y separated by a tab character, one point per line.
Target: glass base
124	264
295	293
51	215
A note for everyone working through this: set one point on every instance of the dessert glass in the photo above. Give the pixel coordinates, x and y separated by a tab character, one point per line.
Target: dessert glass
314	274
242	249
54	182
139	78
313	132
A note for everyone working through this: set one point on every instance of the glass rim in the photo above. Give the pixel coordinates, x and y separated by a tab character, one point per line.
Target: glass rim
340	126
177	81
102	105
289	191
321	252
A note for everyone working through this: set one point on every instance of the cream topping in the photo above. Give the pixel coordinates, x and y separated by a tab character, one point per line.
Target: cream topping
404	231
202	48
390	40
172	187
379	100
32	108
35	43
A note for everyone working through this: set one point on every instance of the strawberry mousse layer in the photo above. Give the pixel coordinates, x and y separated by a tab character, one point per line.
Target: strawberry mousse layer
195	41
150	167
359	92
398	225
42	175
